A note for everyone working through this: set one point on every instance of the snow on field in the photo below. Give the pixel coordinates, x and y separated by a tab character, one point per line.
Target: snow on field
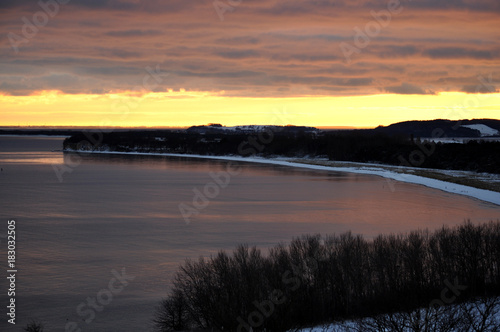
369	169
483	129
461	140
447	140
255	128
246	128
252	128
475	314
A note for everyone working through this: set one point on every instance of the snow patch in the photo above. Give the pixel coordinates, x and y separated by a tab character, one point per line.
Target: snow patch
483	129
481	312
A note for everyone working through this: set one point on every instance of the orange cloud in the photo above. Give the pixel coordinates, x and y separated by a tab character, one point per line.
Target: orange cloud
261	49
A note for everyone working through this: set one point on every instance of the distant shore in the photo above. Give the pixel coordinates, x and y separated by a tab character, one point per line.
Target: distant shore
482	186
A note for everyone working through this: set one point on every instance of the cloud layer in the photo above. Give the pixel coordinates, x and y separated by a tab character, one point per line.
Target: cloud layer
250	48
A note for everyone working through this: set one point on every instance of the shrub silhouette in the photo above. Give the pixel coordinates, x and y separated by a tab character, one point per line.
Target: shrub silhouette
314	280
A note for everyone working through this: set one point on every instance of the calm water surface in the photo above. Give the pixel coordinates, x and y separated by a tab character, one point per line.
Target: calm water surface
115	212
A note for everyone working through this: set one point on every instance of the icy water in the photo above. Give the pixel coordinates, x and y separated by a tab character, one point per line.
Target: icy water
81	222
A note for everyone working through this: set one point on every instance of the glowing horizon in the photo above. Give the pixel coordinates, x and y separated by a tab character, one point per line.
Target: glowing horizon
133	109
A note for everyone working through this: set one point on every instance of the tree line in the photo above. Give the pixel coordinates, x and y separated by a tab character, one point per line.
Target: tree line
354	145
315	280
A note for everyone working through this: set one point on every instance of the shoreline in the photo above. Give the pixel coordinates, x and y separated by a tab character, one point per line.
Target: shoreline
424	177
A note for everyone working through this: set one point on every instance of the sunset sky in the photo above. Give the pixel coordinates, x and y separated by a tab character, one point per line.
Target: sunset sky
356	63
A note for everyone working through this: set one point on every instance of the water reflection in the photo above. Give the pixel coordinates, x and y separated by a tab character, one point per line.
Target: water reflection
198	164
32	158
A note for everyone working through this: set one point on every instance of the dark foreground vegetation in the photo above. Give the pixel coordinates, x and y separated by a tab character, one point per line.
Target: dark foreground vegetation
316	280
370	146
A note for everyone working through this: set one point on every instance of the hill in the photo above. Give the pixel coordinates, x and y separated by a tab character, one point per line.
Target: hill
444	128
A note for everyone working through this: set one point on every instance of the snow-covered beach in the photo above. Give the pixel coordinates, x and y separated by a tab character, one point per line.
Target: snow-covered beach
391	173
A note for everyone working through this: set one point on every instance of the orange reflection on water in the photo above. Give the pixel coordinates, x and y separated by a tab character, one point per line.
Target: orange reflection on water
31	158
